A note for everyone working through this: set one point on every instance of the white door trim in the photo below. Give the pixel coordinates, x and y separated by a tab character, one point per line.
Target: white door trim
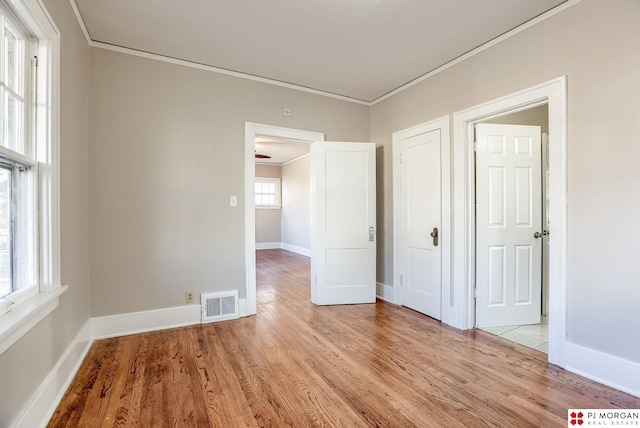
253	130
445	238
554	93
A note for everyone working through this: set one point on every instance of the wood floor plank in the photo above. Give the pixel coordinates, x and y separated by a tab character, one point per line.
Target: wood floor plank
98	397
226	398
130	409
196	409
70	410
117	377
296	364
148	386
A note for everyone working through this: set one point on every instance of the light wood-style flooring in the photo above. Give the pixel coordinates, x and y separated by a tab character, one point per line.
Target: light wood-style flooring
298	365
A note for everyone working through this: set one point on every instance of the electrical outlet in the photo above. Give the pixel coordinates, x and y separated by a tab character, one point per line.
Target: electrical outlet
189	296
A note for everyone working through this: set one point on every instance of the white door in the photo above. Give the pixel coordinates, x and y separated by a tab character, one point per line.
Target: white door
343	242
421	225
508	216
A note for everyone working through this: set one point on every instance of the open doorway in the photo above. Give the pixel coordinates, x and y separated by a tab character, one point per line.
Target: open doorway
512	224
343	223
253	131
282	214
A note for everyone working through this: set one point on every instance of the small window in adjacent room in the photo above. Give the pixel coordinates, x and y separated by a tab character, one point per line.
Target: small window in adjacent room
267	192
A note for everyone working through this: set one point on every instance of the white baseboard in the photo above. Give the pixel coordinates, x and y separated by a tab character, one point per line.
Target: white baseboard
242	308
48	396
140	322
607	369
157	319
385	292
283	246
268	245
296	249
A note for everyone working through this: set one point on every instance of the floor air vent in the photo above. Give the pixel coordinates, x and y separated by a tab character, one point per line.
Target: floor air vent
219	306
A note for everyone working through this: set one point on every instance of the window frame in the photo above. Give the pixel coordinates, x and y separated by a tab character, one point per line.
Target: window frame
278	193
23	316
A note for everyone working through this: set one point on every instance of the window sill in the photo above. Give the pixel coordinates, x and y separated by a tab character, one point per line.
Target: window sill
18	322
268	207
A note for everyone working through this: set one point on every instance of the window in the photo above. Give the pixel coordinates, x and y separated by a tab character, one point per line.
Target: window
267	192
18	166
29	228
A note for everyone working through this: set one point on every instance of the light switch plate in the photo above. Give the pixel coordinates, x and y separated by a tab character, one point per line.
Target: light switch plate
233	201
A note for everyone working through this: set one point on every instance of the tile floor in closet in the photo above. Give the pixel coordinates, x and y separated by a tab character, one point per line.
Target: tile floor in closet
535	336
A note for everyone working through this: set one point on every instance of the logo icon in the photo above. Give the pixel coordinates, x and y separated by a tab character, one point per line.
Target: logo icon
576	418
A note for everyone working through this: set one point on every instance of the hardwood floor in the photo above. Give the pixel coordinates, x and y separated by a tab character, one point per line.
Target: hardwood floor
296	364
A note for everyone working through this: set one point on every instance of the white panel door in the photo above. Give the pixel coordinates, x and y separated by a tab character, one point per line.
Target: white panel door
508	214
421	207
343	245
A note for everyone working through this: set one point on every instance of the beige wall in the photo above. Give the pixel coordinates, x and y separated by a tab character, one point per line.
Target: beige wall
296	203
271	171
166	152
26	365
594	43
268	221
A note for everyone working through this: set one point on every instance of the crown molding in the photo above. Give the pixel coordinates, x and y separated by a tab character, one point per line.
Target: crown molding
83	27
532	22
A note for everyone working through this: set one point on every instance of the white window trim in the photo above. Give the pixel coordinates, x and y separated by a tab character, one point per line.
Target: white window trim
278	204
17	322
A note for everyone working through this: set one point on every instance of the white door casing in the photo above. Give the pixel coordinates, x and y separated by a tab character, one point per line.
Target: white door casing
508	214
554	94
421	219
343	236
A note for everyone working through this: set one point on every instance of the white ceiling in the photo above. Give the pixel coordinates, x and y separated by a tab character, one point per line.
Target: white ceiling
281	151
361	49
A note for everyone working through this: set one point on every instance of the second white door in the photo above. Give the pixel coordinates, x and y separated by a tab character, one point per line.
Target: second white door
421	224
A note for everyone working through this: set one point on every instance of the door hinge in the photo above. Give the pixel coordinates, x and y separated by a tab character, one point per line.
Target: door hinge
400	279
401	158
475	292
475	146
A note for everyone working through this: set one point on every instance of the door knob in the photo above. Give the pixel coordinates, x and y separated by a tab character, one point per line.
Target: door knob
541	235
434	235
